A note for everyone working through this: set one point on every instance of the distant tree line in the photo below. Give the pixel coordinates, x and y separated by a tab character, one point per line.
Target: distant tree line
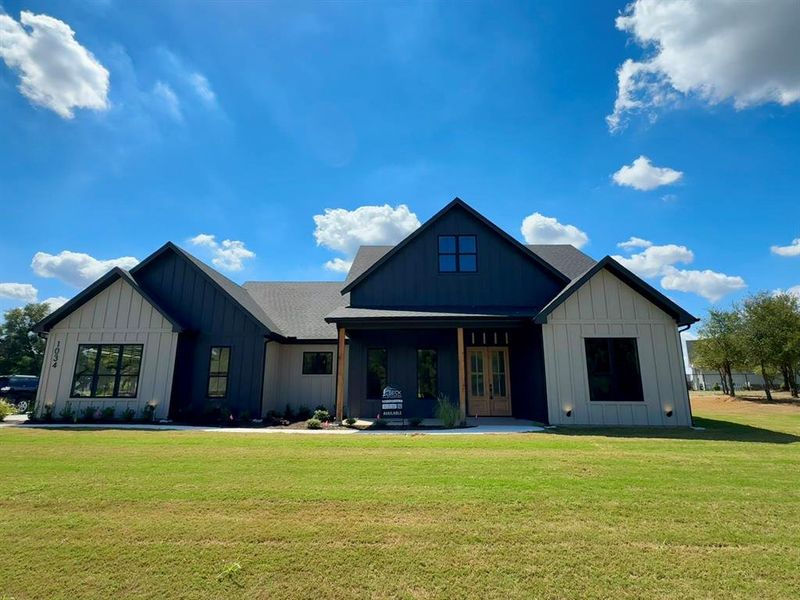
21	350
762	334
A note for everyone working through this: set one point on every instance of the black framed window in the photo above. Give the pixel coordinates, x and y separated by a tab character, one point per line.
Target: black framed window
427	374
612	365
317	363
218	368
377	369
107	371
458	254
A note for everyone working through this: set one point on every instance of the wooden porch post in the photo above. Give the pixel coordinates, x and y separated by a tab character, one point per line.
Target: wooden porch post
462	376
340	369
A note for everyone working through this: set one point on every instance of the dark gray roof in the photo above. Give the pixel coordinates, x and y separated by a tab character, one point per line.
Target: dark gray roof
298	309
564	258
348	312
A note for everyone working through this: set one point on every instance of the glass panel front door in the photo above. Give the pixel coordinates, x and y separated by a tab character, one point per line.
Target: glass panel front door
488	390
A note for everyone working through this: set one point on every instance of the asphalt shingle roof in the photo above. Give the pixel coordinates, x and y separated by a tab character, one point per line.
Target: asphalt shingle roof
298	309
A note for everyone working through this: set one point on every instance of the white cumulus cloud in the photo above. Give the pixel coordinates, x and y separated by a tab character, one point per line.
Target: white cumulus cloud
653	260
793	249
338	265
18	291
635	242
714	50
228	255
76	268
538	229
55	70
345	230
709	284
55	302
642	175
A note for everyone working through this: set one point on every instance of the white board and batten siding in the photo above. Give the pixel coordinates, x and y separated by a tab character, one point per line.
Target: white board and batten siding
285	383
604	306
117	315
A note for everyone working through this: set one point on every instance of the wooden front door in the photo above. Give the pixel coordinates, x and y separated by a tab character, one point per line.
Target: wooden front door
488	384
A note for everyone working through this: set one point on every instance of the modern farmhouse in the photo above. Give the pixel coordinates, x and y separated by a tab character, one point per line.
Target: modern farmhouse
458	308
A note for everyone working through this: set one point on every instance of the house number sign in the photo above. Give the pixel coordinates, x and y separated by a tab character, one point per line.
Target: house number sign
56	353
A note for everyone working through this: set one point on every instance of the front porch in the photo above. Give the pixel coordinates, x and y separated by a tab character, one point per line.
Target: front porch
490	367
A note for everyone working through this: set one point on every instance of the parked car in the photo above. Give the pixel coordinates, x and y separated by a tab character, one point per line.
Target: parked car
19	390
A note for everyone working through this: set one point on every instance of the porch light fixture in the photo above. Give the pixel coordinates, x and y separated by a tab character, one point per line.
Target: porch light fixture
669	413
569	412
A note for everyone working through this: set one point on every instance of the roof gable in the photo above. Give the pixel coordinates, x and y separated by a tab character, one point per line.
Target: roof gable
634	281
231	289
93	290
454	204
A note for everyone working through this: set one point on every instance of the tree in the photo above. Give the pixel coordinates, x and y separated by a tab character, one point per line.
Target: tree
21	350
771	326
720	346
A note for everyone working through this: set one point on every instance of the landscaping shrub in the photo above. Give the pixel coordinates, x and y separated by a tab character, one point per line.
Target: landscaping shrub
67	414
47	413
148	412
88	413
288	414
350	421
303	413
314	424
108	413
6	409
415	422
128	415
322	415
447	412
380	424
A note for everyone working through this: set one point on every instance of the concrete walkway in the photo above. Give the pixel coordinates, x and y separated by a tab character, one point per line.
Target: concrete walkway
475	427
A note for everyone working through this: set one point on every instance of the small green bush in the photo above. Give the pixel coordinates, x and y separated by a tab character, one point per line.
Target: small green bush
380	424
6	409
288	414
447	412
148	412
108	413
716	387
415	422
322	415
47	413
128	415
303	413
88	413
67	413
350	421
314	424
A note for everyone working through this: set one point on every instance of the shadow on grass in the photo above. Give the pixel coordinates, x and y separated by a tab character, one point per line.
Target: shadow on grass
713	429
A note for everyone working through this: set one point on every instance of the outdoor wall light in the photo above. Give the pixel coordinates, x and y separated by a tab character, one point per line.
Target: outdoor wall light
669	413
569	412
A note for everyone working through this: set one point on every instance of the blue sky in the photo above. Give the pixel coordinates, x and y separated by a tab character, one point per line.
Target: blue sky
244	121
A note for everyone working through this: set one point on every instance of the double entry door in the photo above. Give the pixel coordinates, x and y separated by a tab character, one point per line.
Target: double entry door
488	389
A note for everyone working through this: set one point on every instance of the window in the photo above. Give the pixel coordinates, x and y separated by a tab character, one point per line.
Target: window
427	380
107	371
458	254
377	367
218	371
317	363
613	368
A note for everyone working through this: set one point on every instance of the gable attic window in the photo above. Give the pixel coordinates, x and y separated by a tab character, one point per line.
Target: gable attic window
458	254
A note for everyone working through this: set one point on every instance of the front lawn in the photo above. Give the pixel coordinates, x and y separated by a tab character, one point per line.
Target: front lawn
621	514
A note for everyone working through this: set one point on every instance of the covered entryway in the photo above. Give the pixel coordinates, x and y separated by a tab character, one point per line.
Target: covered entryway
488	382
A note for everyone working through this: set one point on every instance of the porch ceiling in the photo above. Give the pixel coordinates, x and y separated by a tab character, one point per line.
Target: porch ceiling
432	315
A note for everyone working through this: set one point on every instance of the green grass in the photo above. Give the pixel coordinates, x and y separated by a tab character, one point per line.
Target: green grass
583	514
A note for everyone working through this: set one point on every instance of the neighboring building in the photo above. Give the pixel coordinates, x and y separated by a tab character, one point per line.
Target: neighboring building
706	379
459	308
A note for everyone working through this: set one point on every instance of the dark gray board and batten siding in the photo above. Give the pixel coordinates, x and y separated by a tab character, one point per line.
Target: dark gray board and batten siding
211	318
410	278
